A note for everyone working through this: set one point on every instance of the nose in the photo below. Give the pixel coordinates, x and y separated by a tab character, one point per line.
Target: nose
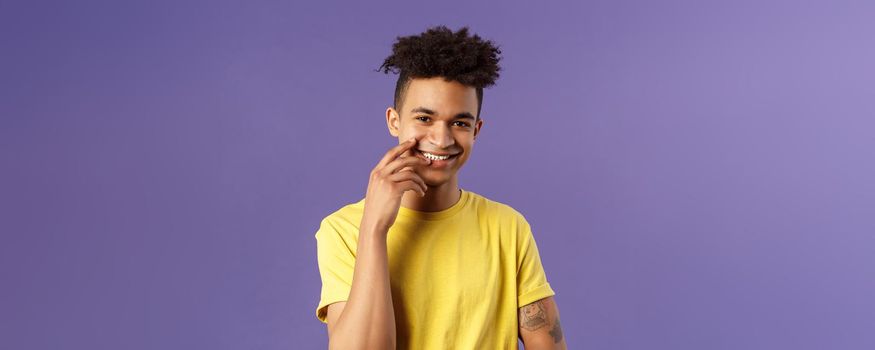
440	136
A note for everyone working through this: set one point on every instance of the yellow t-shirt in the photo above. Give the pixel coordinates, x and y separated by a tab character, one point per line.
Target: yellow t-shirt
458	276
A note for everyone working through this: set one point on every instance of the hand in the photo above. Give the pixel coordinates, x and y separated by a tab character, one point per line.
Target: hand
392	176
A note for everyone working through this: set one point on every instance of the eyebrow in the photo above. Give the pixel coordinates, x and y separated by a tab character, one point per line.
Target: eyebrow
463	115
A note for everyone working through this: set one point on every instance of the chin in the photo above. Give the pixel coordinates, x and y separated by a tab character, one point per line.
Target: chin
436	181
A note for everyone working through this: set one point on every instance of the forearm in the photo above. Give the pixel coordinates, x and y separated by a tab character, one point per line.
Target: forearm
368	319
540	325
544	345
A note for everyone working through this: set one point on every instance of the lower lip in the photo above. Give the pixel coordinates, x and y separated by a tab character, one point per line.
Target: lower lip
440	163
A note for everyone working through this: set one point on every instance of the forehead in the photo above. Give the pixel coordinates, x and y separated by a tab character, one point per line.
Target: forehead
445	97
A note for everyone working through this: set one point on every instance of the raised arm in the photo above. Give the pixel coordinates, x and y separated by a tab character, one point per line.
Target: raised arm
367	319
539	325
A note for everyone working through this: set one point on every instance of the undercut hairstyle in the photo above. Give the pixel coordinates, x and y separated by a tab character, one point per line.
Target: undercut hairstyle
439	52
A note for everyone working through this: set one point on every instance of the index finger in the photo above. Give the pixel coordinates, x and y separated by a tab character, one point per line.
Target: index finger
396	151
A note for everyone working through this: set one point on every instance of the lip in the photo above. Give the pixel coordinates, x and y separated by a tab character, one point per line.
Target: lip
437	153
439	163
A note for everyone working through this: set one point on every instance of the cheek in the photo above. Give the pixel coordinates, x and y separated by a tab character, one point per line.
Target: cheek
412	132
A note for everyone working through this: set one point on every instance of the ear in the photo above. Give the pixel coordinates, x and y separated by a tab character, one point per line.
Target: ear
477	128
393	121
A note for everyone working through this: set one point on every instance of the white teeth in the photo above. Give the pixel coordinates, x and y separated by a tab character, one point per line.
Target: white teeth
434	156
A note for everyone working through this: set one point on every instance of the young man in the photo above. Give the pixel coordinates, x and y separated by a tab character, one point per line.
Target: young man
420	263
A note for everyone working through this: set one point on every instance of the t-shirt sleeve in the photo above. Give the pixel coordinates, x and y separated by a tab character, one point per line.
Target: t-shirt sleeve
531	280
336	263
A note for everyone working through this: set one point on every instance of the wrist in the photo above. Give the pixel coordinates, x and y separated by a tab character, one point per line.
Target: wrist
374	227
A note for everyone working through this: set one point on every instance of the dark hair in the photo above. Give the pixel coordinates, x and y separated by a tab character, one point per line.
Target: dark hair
438	52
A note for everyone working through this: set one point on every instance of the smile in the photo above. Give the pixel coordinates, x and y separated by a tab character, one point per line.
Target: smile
433	156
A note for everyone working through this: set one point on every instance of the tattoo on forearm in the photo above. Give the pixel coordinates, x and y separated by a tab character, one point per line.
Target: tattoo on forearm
556	332
533	316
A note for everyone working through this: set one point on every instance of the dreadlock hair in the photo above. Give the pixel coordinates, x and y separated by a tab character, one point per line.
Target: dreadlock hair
438	52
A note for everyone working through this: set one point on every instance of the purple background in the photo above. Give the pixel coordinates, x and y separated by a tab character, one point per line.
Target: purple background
698	175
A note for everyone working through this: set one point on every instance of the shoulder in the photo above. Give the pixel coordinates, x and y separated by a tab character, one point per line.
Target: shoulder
494	210
344	220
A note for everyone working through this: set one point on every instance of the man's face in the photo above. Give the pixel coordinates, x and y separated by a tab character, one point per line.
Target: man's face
440	114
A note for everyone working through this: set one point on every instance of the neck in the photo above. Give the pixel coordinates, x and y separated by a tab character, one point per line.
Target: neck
437	198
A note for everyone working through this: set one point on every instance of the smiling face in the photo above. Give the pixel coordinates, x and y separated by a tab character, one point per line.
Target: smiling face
441	115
